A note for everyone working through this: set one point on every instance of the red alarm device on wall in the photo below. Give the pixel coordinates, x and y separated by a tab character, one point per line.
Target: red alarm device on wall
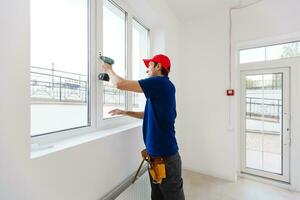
230	92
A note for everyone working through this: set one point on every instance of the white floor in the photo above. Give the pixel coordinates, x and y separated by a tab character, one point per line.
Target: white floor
201	187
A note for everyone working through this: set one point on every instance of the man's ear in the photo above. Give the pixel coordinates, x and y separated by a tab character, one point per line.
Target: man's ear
159	66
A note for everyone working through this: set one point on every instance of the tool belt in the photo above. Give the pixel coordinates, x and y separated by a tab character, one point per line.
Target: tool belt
156	167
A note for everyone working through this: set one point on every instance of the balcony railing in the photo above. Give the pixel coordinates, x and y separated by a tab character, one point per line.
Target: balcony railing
266	109
49	85
57	86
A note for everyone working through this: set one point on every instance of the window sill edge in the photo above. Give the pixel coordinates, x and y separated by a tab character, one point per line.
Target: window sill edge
40	151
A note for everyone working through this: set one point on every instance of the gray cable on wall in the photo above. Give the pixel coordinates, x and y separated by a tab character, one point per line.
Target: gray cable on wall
240	5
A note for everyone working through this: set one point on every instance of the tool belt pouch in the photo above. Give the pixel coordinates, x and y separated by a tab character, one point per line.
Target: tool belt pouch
157	167
157	170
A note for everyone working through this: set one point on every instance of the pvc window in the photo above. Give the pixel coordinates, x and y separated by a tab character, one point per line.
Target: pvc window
60	69
66	98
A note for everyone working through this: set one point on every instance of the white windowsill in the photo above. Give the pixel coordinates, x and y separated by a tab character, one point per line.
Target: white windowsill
39	151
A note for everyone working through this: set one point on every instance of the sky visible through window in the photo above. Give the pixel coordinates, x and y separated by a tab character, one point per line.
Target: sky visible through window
59	31
140	47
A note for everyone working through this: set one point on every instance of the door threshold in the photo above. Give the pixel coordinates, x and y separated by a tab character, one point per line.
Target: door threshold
265	180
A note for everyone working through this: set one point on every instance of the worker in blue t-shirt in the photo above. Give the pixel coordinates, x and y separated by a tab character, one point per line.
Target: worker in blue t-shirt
158	122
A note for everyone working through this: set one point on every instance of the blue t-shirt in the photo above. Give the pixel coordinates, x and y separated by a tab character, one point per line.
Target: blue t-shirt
159	116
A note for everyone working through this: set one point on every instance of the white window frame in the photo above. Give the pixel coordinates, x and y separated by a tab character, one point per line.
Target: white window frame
97	123
71	132
265	47
148	52
107	123
109	119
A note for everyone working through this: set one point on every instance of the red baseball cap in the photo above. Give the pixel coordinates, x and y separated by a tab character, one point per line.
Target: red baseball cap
160	58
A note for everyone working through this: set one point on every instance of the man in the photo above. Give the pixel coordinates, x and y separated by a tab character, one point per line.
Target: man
158	122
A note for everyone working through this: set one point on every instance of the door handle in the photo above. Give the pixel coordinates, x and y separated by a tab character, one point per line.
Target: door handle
286	133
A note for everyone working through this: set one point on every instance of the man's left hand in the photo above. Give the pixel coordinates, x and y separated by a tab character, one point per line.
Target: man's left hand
106	67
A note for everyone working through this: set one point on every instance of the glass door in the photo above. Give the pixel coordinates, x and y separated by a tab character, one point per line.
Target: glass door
265	123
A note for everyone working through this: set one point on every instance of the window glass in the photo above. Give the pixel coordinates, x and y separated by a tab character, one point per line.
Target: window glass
252	55
114	46
140	50
59	65
283	51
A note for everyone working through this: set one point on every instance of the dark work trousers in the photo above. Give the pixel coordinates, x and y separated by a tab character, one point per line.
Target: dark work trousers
171	187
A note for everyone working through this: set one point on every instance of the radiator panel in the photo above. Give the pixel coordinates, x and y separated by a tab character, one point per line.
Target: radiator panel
140	190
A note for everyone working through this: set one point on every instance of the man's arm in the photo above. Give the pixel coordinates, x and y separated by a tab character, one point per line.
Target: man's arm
139	115
120	82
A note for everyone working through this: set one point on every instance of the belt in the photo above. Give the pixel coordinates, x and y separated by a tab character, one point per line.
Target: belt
165	158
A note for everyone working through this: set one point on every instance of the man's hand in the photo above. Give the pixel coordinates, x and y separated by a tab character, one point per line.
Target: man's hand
117	112
106	67
120	82
139	115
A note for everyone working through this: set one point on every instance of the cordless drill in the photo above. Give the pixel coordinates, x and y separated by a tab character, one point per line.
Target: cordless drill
107	60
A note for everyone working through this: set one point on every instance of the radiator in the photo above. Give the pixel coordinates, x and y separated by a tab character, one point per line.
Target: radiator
140	190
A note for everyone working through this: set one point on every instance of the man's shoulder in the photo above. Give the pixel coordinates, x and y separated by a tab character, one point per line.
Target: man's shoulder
157	79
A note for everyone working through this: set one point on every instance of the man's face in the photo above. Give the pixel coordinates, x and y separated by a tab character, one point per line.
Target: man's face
152	71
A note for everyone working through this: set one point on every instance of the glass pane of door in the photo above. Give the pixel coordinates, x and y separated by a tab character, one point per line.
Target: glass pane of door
264	122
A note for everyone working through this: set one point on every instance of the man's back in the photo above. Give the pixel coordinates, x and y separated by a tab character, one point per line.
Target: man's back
159	117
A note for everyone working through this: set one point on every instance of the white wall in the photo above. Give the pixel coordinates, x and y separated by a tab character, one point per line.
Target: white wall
209	143
86	171
266	19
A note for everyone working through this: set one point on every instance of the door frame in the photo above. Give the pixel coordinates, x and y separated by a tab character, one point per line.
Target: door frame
285	176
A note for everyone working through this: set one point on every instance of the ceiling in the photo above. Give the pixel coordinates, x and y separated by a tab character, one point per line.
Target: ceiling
187	9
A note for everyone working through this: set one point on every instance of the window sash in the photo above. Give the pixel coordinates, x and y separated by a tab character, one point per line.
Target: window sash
61	82
112	97
140	43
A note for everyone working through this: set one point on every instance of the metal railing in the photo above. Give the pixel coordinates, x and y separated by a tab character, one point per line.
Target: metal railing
57	88
263	108
48	85
113	96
